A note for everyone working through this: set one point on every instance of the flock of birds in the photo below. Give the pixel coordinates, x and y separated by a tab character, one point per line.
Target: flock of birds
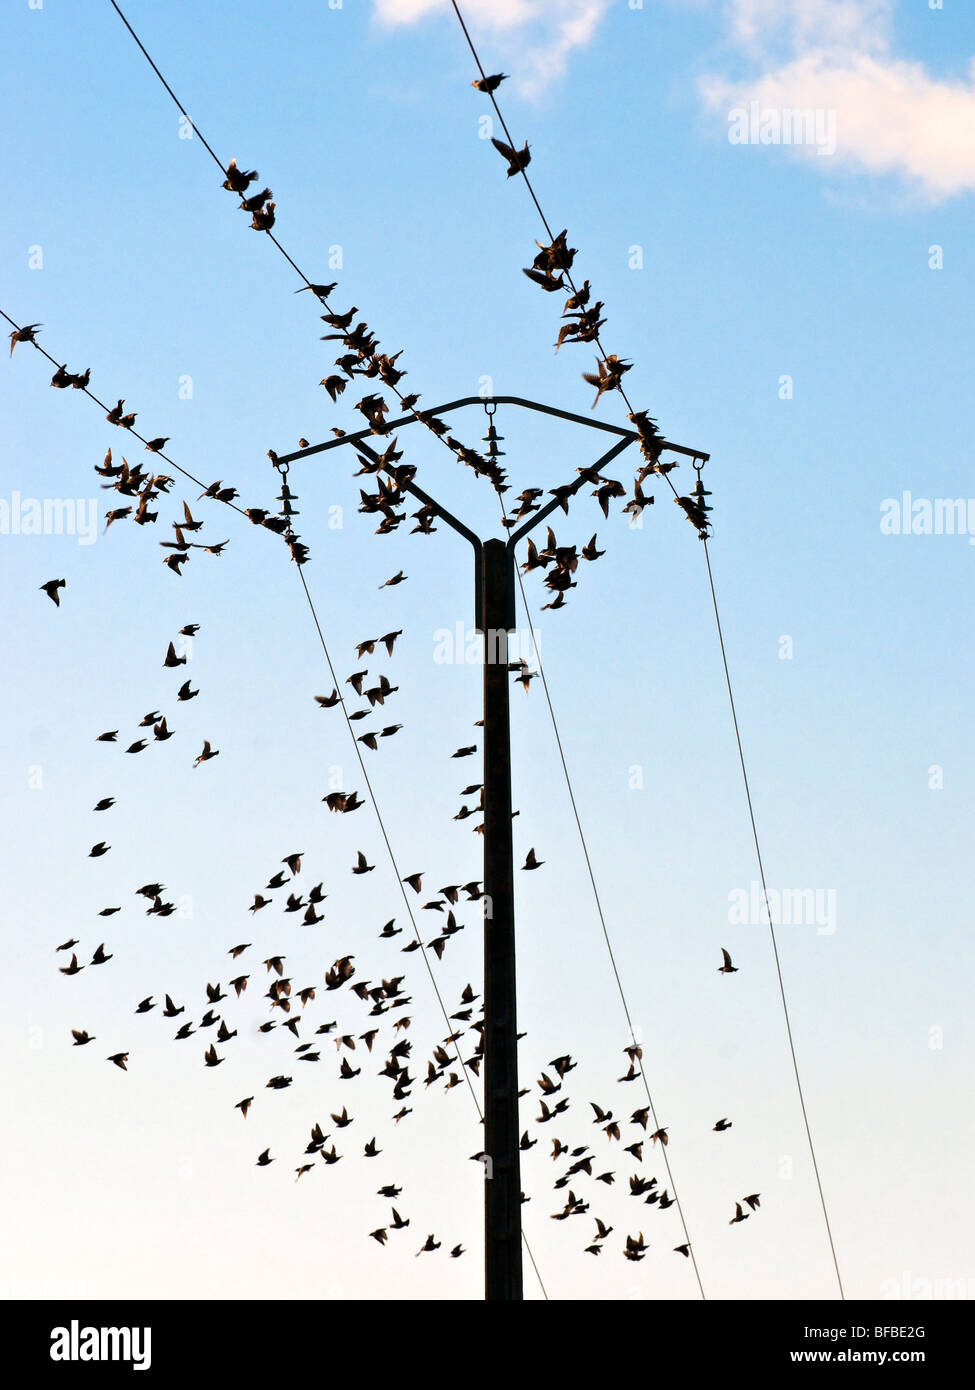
385	998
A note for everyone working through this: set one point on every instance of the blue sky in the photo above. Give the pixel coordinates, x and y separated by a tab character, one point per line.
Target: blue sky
782	313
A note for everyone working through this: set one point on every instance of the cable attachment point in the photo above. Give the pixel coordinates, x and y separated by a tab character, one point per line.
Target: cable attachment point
695	508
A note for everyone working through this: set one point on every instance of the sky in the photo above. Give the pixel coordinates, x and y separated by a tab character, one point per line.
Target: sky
801	311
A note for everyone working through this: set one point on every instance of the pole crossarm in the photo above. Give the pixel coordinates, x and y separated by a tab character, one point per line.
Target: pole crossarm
630	435
573	488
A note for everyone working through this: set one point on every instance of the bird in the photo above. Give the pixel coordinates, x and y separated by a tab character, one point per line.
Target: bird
206	754
170	1011
739	1215
99	958
51	588
263	1159
211	1058
608	375
23	335
489	84
396	579
172	659
120	1059
414	880
753	1201
328	701
110	737
684	1250
660	1134
727	968
362	866
431	1243
722	1125
531	862
518	160
72	968
155	445
145	1005
465	752
98	850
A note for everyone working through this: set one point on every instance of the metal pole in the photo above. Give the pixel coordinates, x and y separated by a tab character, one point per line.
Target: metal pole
502	1170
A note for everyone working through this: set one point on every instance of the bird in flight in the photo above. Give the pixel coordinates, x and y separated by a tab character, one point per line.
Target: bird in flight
51	589
727	968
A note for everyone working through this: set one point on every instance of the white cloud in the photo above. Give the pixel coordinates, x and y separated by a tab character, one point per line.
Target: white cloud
547	34
892	116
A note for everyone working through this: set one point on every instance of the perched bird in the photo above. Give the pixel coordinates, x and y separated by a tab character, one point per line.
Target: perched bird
51	588
237	179
23	335
155	445
518	160
727	968
489	84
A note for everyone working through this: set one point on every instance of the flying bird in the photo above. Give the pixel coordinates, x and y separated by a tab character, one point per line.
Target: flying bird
51	588
727	968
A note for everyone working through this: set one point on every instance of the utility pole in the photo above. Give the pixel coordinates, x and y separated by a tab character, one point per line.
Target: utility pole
502	1191
494	617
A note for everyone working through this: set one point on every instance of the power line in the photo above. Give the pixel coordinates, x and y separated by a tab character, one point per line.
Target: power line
528	183
775	948
391	385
